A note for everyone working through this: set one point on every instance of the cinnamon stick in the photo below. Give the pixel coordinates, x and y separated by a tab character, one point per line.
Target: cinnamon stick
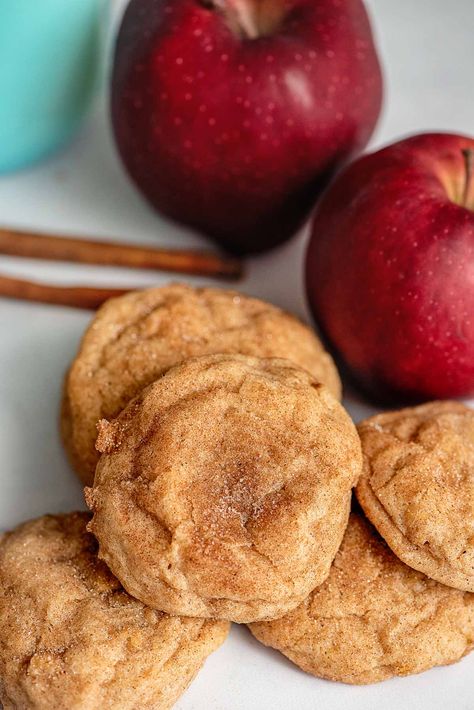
86	251
73	296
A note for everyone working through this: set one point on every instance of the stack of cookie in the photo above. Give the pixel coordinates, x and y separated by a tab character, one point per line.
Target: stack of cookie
398	602
219	467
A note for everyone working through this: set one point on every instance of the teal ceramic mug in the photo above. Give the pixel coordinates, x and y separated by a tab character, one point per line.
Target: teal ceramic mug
50	54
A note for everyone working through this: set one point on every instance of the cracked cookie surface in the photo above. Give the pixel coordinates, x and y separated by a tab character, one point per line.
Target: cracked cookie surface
135	338
373	618
71	637
224	488
417	487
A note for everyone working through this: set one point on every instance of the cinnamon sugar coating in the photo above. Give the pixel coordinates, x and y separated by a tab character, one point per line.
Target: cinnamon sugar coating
135	338
71	637
224	488
417	487
373	618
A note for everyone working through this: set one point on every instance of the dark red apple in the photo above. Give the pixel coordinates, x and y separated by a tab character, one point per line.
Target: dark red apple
390	269
230	114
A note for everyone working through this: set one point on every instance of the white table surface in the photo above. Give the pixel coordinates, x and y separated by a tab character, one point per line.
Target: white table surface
428	51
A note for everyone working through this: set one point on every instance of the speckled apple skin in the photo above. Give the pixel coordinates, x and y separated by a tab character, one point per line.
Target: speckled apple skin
390	270
235	137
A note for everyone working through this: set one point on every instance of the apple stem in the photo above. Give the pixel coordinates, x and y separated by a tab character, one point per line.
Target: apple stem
239	15
468	154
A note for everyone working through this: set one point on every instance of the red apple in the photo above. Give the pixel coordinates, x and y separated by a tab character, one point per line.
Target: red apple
230	114
390	269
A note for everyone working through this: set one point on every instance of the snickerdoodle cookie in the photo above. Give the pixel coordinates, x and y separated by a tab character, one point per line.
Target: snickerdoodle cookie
71	637
135	338
417	487
373	618
224	488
